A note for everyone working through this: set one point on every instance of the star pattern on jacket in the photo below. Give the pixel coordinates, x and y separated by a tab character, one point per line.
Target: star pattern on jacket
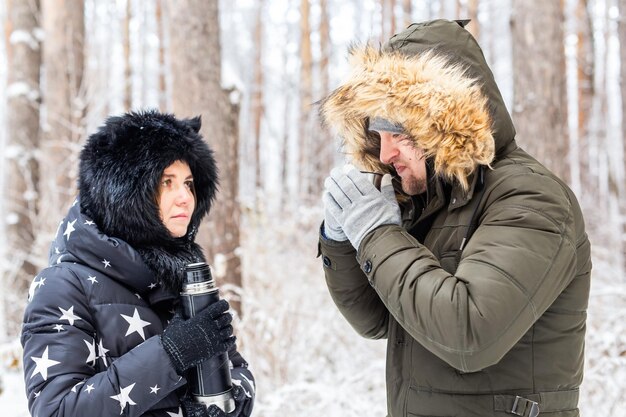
89	223
92	352
69	229
42	364
69	315
178	414
75	387
250	384
59	227
67	368
136	324
124	397
34	286
102	351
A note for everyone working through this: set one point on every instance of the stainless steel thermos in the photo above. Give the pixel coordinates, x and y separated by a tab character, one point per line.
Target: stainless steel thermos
210	381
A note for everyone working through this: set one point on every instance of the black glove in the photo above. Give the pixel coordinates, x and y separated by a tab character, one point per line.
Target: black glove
192	408
191	342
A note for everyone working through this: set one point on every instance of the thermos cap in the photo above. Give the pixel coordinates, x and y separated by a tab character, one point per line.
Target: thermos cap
198	272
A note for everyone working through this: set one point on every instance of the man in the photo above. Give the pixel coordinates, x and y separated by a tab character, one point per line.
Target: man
477	267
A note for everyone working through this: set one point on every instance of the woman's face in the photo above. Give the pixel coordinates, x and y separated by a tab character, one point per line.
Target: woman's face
176	198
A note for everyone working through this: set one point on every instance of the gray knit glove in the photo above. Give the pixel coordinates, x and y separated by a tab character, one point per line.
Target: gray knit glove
193	341
331	228
357	205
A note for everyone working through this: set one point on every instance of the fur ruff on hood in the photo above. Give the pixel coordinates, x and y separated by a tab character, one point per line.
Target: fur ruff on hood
439	105
120	170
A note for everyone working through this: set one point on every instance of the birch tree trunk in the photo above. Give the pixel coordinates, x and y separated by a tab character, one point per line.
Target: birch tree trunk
65	107
20	164
306	94
197	90
540	96
256	100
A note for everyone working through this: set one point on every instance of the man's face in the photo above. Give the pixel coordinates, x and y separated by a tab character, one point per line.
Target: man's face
399	150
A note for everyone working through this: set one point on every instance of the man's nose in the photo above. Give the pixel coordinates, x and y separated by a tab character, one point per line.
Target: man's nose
388	148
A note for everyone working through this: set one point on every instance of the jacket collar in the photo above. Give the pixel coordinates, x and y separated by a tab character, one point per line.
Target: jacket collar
78	240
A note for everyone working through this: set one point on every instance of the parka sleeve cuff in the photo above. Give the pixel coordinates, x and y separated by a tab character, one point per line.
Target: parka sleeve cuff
337	256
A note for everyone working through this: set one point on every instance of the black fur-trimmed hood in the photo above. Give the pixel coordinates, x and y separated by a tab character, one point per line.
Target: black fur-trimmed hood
120	169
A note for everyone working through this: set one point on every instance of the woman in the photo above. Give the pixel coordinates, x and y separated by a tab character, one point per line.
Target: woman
96	336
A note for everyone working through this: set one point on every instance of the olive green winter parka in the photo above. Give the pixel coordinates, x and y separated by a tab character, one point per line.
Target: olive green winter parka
482	292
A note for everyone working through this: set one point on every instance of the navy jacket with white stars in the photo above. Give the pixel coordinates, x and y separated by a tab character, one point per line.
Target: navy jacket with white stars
91	332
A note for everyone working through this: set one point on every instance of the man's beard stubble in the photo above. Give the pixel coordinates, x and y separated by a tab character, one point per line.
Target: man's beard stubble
413	186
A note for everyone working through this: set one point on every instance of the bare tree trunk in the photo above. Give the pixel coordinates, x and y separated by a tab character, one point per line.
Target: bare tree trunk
472	13
161	18
285	200
128	74
196	87
392	18
540	96
325	47
387	19
407	12
144	49
21	168
622	42
287	194
258	108
322	149
585	69
383	21
306	94
65	107
598	125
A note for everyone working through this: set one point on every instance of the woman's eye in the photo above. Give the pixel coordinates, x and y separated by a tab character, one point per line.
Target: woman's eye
189	184
166	183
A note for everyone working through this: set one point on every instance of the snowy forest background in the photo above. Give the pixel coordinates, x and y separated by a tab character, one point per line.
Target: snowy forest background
254	69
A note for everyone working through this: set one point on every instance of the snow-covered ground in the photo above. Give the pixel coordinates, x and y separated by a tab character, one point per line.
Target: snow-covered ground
309	362
12	398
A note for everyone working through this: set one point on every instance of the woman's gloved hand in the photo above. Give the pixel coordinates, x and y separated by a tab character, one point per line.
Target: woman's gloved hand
190	342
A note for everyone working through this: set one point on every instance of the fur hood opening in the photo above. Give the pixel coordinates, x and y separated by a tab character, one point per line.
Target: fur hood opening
120	169
433	80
